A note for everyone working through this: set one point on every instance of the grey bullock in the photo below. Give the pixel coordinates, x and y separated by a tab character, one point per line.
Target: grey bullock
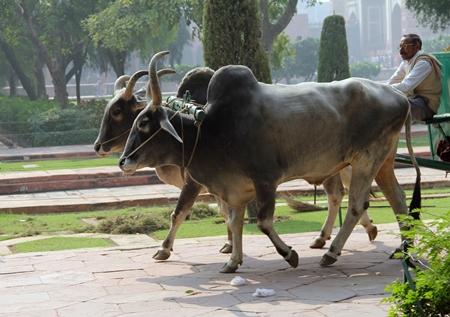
118	118
257	136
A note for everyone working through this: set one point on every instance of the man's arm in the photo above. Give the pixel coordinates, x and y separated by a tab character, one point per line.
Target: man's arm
398	76
415	77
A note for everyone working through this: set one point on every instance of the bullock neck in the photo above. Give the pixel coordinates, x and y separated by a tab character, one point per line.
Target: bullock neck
184	166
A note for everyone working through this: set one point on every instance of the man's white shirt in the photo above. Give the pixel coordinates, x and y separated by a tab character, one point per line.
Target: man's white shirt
407	82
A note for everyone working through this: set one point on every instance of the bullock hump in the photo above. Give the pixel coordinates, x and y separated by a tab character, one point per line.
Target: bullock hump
231	79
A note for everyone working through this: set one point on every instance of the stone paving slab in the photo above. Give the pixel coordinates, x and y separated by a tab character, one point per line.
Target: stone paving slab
126	281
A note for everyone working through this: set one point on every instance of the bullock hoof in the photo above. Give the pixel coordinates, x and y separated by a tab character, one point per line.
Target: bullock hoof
317	244
327	260
228	268
293	260
373	233
161	255
226	248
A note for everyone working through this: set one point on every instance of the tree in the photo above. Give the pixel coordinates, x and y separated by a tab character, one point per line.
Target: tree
300	60
56	34
232	35
438	44
365	70
19	57
124	27
275	16
176	47
432	13
333	50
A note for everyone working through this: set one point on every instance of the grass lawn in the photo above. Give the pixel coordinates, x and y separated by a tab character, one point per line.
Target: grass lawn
58	164
289	221
417	141
61	243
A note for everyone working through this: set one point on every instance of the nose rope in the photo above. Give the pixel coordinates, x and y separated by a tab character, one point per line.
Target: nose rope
150	137
112	139
182	169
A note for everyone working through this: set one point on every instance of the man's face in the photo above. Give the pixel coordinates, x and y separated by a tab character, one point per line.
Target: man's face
407	49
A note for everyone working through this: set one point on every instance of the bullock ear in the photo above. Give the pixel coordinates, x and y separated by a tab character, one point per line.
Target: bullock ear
140	105
166	125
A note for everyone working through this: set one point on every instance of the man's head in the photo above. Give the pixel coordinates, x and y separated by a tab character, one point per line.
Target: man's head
409	45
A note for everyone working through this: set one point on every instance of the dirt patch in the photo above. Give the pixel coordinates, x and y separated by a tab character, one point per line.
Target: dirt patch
90	221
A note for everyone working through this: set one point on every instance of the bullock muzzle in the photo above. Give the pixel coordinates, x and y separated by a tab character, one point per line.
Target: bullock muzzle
127	166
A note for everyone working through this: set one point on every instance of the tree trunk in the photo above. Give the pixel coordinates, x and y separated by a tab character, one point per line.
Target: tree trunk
78	62
12	85
55	67
17	67
271	31
41	90
117	61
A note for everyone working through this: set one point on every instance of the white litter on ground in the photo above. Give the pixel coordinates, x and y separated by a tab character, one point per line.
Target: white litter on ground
262	292
238	281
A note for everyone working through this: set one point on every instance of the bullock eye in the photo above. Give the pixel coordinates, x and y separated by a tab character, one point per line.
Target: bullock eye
143	123
116	112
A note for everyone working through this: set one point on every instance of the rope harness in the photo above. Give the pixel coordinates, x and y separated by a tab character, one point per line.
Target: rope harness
197	123
115	138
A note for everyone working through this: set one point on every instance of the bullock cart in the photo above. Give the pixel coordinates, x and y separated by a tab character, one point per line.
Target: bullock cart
439	125
437	130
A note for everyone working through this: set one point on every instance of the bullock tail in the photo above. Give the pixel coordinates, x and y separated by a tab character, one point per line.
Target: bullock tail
307	207
300	206
415	206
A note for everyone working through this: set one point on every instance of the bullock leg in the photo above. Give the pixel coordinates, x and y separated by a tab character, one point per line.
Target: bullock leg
228	246
365	221
235	223
189	194
358	203
393	192
335	192
266	208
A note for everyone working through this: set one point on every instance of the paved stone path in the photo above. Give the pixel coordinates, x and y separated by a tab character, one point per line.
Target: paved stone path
126	281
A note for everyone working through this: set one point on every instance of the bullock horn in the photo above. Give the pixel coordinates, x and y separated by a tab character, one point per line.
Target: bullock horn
132	82
165	71
120	81
153	84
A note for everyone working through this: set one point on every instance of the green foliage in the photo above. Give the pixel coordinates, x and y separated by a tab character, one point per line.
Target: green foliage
232	35
279	50
136	223
300	60
44	123
333	50
432	13
365	70
202	210
144	26
438	44
432	284
61	243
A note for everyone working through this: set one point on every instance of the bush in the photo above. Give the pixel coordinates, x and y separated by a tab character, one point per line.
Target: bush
432	284
44	123
365	70
132	224
200	210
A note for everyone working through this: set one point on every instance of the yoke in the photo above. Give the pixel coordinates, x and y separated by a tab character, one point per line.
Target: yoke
434	163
